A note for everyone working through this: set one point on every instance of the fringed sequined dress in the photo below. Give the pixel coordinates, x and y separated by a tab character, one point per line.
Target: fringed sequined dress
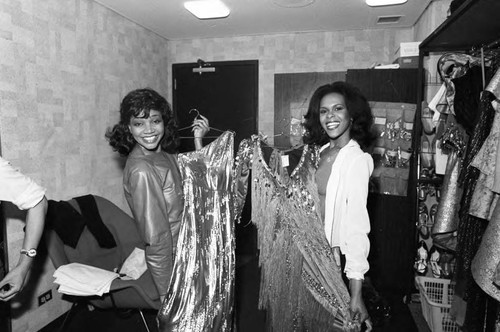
200	295
301	285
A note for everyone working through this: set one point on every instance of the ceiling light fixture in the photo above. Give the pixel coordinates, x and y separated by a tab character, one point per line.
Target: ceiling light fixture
207	9
293	3
377	3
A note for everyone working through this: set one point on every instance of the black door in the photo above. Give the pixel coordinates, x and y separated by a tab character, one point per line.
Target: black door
225	92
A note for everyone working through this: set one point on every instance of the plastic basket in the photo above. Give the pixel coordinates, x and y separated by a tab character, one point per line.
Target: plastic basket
435	298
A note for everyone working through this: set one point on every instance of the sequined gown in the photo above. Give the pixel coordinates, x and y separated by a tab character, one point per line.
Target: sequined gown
200	296
301	285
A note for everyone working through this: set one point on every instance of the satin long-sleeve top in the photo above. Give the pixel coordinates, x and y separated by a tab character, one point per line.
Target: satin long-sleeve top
347	223
153	189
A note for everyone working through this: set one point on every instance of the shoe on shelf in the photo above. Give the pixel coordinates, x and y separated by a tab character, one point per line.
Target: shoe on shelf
423	219
447	263
426	156
432	215
427	123
435	257
423	191
421	258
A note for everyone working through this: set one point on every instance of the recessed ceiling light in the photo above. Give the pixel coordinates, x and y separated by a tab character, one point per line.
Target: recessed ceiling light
376	3
207	9
293	3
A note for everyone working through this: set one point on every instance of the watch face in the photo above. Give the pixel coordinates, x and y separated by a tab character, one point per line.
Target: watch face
30	252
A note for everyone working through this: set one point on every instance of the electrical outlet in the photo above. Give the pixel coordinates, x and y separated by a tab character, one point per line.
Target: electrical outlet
45	297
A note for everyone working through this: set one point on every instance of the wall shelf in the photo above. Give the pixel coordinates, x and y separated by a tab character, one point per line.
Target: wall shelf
474	24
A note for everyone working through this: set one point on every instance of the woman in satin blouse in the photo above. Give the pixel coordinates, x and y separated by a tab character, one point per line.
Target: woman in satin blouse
147	135
339	119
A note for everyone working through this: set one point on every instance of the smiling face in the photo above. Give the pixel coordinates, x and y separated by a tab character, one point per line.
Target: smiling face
335	119
148	132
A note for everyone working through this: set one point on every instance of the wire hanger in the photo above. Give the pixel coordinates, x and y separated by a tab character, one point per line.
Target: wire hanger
191	126
287	148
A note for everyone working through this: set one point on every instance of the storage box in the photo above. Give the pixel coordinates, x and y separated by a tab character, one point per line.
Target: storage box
407	49
407	62
436	296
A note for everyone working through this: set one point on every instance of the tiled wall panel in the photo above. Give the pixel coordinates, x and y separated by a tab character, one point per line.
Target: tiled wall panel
65	65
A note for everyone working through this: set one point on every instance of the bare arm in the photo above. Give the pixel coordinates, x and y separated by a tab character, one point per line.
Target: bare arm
357	306
200	129
15	279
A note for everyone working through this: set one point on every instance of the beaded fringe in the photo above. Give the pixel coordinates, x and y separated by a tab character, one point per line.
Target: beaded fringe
301	286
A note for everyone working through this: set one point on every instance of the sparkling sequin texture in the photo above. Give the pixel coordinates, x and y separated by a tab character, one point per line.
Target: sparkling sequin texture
200	296
301	285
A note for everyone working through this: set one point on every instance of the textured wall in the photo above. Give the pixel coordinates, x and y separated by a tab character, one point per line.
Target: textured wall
293	53
64	67
432	18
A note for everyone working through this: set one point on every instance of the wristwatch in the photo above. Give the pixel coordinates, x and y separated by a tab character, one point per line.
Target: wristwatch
29	252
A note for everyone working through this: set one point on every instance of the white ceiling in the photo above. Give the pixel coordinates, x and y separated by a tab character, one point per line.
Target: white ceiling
169	19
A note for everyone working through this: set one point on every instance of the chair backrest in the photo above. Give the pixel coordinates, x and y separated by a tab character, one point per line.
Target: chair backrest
140	293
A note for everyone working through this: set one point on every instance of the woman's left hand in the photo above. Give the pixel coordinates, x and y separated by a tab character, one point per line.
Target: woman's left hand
359	313
200	126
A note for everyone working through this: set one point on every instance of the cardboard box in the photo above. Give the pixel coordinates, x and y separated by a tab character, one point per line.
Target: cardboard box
407	62
407	49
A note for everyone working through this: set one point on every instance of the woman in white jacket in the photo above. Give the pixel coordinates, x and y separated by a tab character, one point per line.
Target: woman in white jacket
339	120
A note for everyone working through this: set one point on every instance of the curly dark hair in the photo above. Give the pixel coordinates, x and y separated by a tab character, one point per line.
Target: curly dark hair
134	103
357	106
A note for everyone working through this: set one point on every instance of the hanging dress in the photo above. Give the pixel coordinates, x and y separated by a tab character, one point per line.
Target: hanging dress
200	295
480	307
301	284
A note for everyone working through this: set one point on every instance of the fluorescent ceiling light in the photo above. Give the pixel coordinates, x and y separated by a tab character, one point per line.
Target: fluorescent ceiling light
375	3
207	9
293	3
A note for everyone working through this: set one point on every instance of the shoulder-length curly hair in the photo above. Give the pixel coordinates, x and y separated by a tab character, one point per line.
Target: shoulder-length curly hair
357	106
133	105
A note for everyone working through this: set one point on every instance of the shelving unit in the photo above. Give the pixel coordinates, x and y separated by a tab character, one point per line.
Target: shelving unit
471	26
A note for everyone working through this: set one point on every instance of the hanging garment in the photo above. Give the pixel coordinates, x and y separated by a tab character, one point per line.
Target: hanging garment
452	66
301	284
200	294
471	229
468	89
484	264
483	204
446	219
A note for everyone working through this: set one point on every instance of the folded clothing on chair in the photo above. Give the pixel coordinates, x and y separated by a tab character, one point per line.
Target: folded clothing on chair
83	280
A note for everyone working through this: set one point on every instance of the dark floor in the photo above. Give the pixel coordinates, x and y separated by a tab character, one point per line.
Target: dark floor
248	318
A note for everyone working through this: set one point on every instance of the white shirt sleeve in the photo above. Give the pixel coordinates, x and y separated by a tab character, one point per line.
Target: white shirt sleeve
18	188
356	226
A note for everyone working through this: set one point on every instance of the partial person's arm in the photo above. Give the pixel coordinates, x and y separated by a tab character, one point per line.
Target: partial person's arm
15	279
200	129
26	195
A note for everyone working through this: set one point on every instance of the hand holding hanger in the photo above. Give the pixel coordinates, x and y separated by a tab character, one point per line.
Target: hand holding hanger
200	126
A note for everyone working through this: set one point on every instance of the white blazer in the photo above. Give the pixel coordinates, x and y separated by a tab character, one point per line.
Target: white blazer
347	223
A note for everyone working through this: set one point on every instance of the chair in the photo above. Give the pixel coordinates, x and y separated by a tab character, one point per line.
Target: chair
124	294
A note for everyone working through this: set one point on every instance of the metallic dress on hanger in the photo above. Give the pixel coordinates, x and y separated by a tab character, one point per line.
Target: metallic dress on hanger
301	284
200	296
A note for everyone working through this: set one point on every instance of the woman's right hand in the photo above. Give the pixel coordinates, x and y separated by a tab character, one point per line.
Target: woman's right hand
200	128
